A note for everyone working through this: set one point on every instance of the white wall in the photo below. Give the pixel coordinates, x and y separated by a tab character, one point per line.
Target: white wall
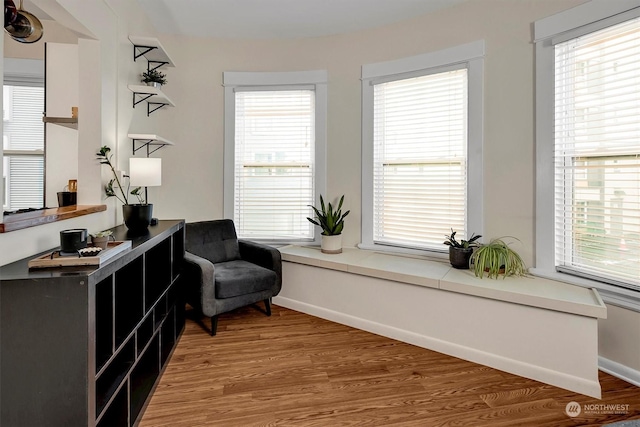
105	68
192	169
192	183
62	142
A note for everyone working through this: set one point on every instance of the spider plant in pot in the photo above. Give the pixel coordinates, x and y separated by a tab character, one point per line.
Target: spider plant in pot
137	216
332	222
497	258
460	251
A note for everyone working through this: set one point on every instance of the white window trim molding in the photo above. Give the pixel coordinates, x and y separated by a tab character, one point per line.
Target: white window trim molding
239	80
470	54
570	23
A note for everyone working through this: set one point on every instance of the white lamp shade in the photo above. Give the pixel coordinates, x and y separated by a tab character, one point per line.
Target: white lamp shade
145	172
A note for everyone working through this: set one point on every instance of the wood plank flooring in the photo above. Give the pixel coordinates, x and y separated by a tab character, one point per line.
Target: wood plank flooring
292	369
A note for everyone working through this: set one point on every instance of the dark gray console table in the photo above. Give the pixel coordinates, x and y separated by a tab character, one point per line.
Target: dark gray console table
86	346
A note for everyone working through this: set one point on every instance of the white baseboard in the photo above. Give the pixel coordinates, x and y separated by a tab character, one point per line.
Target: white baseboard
559	379
620	371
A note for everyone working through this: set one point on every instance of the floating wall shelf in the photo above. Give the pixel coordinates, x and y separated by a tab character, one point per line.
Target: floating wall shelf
148	140
154	97
151	49
68	122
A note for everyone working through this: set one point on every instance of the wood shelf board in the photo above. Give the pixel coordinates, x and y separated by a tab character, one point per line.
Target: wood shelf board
20	221
155	139
68	122
159	54
157	96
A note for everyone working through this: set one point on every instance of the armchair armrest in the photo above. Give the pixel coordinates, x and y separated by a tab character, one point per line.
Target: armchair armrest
262	255
199	275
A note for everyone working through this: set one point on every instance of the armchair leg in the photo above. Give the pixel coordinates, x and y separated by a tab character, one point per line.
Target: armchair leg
267	306
214	325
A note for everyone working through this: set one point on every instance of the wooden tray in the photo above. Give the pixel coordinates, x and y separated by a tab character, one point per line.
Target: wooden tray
54	259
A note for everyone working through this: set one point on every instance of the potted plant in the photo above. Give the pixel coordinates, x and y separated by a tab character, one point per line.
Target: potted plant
137	217
332	222
154	78
460	251
497	258
101	238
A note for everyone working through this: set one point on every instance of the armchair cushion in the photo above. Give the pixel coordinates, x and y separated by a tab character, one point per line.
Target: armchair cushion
238	277
213	240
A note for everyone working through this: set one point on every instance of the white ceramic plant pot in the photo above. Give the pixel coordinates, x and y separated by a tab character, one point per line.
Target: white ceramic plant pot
331	244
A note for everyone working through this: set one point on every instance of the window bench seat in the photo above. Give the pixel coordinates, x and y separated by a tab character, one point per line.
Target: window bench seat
529	326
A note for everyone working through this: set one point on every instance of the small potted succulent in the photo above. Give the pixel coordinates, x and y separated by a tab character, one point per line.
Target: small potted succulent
154	78
332	222
460	251
101	238
497	258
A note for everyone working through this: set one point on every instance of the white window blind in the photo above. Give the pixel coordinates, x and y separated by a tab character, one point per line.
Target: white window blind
597	155
420	159
23	147
274	164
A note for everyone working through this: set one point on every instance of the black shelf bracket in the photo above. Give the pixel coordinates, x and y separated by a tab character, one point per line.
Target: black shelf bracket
157	65
139	51
147	143
157	106
143	97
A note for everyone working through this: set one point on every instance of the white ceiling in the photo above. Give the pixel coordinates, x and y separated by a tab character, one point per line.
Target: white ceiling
268	19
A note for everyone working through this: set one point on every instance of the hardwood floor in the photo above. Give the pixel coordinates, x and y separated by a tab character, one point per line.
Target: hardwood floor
292	369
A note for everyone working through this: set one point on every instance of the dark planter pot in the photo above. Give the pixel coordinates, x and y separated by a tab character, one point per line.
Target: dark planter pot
137	217
459	257
67	198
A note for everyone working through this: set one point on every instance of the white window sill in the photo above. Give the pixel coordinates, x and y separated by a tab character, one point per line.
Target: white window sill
532	291
614	295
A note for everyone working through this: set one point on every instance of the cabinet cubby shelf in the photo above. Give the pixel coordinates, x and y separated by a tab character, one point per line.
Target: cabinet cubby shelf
152	50
154	97
112	330
148	140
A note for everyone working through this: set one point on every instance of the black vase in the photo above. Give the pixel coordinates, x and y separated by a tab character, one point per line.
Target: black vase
459	257
137	217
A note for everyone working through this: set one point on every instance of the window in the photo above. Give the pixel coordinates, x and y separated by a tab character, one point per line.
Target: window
23	147
589	214
274	160
421	132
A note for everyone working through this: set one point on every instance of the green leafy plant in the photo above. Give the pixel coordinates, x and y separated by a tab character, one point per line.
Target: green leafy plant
329	219
462	244
154	76
114	187
497	258
105	233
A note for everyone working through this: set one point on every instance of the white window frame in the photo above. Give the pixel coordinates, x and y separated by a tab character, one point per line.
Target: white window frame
234	80
471	55
572	23
20	72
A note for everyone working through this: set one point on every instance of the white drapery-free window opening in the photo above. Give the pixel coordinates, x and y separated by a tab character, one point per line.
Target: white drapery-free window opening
274	164
420	159
597	155
23	146
422	140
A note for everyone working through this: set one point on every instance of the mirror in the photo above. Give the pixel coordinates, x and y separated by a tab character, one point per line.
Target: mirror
29	181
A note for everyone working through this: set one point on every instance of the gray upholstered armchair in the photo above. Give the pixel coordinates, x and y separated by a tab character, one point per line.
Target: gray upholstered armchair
223	273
